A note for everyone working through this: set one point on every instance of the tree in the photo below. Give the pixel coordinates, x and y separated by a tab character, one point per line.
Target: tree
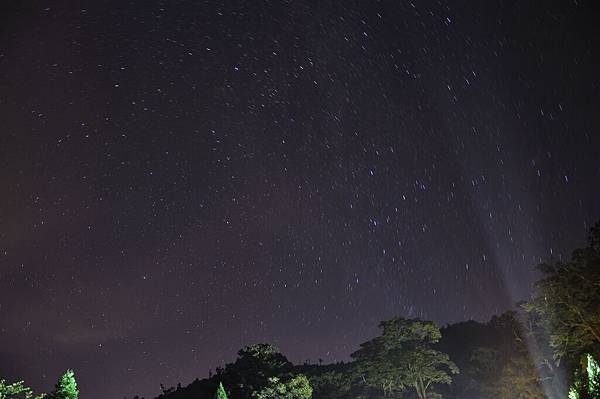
482	370
519	378
296	388
403	357
566	303
252	369
331	383
221	394
265	357
66	387
567	300
16	390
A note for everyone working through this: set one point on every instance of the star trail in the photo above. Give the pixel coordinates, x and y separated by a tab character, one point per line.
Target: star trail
180	179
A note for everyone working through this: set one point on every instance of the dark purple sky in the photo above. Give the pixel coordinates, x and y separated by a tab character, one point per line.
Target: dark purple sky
183	178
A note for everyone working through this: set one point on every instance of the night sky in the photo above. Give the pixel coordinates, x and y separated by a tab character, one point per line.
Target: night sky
183	178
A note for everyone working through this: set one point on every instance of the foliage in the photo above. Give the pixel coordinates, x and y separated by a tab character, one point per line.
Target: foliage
567	301
264	356
505	371
484	367
297	387
592	385
519	379
333	383
252	369
221	394
566	304
593	373
496	375
403	357
16	390
66	387
499	358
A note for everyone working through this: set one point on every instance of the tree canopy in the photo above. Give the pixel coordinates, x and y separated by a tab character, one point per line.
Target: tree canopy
567	303
403	357
297	387
252	369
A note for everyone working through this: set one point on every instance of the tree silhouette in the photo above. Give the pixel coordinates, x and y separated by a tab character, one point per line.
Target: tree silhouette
252	369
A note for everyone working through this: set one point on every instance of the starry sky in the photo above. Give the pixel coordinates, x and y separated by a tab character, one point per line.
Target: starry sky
183	178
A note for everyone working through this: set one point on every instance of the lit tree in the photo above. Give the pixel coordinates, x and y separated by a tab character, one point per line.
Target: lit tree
221	394
66	387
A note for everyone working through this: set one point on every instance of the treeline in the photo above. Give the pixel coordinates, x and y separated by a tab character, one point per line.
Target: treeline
410	359
548	348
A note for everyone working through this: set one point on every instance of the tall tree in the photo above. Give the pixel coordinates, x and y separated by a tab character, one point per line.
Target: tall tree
566	303
66	387
403	357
